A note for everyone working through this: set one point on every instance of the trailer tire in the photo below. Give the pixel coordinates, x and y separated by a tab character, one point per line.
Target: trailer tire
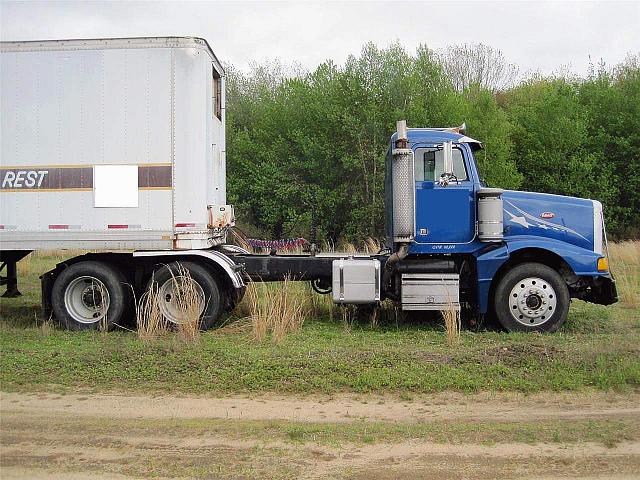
531	297
90	295
163	282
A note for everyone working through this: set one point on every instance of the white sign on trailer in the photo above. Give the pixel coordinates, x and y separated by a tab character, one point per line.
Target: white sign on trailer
115	186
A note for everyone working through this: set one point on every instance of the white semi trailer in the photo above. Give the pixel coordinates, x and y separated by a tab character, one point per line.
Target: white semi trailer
114	145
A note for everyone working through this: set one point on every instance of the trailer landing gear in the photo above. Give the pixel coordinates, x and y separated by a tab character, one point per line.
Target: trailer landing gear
9	261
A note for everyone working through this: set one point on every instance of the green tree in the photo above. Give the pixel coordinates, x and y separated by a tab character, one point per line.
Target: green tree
295	136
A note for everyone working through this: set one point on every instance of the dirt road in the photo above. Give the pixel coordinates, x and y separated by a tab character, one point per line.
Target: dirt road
437	436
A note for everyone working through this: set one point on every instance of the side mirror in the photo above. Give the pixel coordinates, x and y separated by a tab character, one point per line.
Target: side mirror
447	174
447	150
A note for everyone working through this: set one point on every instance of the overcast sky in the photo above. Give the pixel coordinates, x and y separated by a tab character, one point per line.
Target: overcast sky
537	36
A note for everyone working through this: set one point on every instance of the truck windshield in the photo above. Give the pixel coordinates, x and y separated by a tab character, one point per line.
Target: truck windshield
430	164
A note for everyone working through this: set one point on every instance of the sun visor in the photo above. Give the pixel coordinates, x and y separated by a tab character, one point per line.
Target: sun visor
474	144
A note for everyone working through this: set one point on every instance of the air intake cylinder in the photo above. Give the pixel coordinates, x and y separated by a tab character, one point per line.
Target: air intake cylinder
490	222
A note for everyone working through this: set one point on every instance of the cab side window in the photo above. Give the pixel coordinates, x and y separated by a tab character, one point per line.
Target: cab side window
430	164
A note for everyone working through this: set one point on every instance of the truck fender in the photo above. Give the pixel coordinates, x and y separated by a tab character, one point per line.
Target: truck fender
224	262
487	265
582	262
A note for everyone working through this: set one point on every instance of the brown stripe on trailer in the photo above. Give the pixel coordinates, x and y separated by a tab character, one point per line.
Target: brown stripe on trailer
155	176
75	178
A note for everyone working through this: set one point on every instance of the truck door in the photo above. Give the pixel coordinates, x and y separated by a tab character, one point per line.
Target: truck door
443	214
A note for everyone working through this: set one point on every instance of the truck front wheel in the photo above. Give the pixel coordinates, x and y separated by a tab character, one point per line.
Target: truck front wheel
90	295
185	292
531	297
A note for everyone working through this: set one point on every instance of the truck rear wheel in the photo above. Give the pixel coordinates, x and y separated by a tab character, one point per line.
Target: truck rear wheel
185	290
89	295
531	297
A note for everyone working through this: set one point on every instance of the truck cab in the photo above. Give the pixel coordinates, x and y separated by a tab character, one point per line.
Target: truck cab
508	249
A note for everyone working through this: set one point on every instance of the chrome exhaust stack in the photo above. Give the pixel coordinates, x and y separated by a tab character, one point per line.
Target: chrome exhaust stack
404	203
404	189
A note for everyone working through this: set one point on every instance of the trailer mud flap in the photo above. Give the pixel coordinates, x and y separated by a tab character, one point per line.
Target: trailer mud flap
46	284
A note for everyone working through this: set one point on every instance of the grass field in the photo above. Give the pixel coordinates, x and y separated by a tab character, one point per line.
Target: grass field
598	348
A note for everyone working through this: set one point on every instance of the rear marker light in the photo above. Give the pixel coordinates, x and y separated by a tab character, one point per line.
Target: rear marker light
183	225
121	226
64	226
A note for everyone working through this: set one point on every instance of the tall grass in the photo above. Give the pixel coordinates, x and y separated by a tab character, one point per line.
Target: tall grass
153	324
452	324
276	309
348	316
103	326
625	267
368	246
189	303
149	319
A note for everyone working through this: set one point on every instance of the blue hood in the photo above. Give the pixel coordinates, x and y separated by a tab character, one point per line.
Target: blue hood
568	219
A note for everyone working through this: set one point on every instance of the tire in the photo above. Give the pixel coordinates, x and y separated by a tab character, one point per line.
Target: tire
165	281
531	297
90	295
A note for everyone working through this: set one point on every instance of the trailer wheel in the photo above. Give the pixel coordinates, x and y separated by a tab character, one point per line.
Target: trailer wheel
89	295
532	297
185	289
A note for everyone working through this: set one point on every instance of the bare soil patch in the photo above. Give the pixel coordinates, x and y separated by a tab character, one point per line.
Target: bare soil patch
72	436
445	406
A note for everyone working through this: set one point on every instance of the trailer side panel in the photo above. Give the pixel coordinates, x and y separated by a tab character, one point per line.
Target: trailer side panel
108	144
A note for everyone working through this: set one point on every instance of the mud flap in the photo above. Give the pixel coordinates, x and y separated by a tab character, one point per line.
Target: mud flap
603	291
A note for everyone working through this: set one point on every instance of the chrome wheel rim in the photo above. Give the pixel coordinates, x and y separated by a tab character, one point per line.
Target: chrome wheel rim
87	300
180	299
532	301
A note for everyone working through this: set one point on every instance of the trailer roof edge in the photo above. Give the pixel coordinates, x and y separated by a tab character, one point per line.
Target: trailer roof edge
107	43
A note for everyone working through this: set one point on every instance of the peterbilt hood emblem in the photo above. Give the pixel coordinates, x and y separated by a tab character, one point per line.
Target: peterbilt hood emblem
547	215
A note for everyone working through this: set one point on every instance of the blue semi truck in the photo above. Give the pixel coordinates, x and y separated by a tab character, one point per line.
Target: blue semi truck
518	255
147	196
